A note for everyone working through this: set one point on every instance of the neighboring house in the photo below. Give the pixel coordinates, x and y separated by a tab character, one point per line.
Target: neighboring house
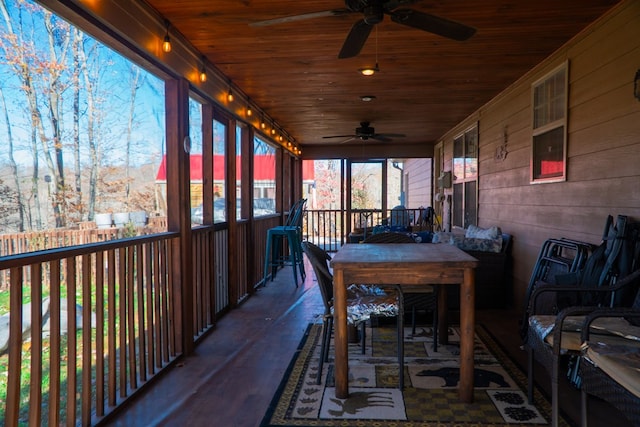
264	178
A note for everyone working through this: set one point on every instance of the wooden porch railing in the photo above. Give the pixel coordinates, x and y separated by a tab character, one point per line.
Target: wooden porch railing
20	243
330	228
91	334
91	323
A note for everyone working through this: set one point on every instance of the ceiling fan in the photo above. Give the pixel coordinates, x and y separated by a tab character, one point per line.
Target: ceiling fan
373	12
365	132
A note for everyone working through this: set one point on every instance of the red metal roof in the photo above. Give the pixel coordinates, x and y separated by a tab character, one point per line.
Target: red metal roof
263	170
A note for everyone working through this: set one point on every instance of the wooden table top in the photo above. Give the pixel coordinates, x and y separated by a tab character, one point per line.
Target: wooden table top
389	255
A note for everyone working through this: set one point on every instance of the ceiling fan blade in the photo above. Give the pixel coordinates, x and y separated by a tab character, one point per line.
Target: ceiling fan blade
394	4
391	135
355	39
301	17
338	136
433	24
347	140
380	138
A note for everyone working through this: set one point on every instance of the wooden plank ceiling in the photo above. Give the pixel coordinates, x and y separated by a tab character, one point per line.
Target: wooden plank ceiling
426	84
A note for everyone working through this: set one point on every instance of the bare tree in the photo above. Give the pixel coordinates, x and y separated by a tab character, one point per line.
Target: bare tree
58	36
75	79
13	165
90	77
134	86
30	66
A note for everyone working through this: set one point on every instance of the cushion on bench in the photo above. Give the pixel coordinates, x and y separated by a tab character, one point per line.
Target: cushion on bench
620	360
610	330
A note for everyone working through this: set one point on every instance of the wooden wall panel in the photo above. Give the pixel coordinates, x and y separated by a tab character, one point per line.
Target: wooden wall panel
603	146
420	182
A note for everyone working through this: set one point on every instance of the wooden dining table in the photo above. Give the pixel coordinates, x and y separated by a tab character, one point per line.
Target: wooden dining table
408	265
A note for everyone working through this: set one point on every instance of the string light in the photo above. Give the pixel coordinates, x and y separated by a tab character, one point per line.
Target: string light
166	44
203	72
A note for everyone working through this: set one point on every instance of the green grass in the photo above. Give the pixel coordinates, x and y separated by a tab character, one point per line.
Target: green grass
25	374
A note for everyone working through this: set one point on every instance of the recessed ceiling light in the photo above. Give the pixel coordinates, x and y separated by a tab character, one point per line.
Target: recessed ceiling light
367	98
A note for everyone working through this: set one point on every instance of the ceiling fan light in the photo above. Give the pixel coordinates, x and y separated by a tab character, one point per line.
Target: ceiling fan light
368	71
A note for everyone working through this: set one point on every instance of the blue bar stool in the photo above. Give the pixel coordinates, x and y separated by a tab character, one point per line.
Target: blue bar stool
291	231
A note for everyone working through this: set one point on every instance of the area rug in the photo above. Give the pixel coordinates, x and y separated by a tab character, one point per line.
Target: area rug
430	396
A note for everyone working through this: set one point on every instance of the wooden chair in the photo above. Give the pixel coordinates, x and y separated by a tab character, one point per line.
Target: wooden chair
363	302
422	298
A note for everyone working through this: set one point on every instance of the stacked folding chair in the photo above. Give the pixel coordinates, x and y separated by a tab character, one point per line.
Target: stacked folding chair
557	257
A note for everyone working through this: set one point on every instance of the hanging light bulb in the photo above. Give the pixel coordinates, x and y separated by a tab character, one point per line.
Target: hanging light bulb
203	72
230	96
166	43
263	124
249	111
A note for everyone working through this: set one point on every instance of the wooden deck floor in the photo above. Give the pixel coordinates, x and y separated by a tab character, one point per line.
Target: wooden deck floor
231	378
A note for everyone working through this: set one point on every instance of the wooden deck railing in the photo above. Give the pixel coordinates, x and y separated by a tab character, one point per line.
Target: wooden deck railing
20	243
91	323
329	228
106	312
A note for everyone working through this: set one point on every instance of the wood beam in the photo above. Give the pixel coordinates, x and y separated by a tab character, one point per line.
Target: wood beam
179	209
365	151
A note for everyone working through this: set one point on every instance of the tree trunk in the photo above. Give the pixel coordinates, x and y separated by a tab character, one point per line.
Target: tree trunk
135	85
91	125
77	37
12	163
54	93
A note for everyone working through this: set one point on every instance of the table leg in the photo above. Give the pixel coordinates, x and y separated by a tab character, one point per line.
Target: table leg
341	335
443	315
467	332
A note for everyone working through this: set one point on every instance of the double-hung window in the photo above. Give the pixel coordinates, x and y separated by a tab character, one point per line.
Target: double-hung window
549	145
465	178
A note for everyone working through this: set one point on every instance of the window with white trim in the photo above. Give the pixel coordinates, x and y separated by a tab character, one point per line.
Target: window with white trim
549	145
465	178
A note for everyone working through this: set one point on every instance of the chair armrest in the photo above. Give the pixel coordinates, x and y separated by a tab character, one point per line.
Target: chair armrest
605	312
559	324
548	287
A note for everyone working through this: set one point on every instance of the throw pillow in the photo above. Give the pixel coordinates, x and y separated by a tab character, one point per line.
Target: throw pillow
474	232
482	245
441	237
